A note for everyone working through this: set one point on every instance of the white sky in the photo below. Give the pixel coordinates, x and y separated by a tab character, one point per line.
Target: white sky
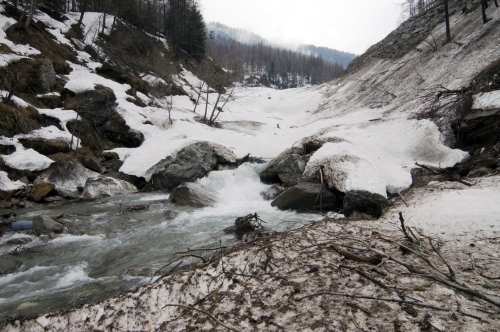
346	25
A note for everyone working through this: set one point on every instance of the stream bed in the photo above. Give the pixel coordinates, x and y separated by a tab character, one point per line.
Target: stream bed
109	249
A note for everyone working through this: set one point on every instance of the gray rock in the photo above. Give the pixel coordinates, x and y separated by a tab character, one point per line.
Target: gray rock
193	194
102	186
479	172
52	199
170	214
65	193
44	225
272	192
291	168
191	163
20	240
5	205
66	173
364	202
46	75
422	177
8	264
305	196
269	174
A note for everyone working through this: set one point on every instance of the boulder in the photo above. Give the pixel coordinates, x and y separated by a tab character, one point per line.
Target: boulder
111	162
422	177
8	264
45	146
7	149
190	163
43	224
101	186
272	192
305	196
193	194
66	173
5	205
88	159
65	193
40	190
290	169
95	106
269	174
5	196
19	241
46	75
364	202
479	172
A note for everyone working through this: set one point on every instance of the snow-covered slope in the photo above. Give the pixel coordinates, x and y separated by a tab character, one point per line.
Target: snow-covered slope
367	111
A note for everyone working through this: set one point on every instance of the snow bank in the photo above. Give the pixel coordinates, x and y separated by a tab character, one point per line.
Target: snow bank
378	156
8	185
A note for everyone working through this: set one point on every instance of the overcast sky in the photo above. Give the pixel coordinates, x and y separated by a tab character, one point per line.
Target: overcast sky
346	25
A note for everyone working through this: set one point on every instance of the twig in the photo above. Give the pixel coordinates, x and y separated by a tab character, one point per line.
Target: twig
448	176
203	312
372	298
364	275
452	275
481	274
403	228
403	199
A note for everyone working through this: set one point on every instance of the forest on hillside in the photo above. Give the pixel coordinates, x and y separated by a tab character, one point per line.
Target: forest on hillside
271	66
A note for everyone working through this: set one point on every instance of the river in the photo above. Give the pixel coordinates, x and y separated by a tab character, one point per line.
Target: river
109	249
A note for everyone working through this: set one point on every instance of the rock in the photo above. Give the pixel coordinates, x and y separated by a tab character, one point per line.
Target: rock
170	214
269	174
305	196
479	172
20	240
5	196
290	169
88	159
44	225
190	163
95	106
272	192
101	186
7	149
364	202
24	180
52	199
8	264
40	190
45	146
112	162
65	193
46	75
51	100
66	173
139	182
422	177
117	131
193	194
5	205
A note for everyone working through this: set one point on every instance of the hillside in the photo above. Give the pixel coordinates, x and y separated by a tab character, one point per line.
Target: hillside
103	150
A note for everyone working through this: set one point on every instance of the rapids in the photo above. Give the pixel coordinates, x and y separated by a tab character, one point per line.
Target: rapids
109	250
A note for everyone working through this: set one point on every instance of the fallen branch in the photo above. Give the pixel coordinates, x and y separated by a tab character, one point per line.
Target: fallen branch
418	304
203	312
449	177
360	272
353	257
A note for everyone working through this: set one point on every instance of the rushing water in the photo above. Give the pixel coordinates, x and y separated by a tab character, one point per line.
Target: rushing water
120	250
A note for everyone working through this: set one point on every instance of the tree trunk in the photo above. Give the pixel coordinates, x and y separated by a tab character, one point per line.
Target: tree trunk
447	15
31	12
484	5
84	7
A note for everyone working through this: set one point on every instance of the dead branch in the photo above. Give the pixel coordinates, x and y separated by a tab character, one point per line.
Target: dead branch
203	312
403	228
478	272
353	257
449	177
361	273
418	304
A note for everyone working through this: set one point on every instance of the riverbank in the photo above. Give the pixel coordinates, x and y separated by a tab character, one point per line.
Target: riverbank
322	277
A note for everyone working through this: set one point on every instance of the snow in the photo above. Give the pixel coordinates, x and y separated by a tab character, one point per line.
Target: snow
7	185
22	51
27	159
489	101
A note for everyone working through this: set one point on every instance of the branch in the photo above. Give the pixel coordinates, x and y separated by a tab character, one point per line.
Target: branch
203	312
418	304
